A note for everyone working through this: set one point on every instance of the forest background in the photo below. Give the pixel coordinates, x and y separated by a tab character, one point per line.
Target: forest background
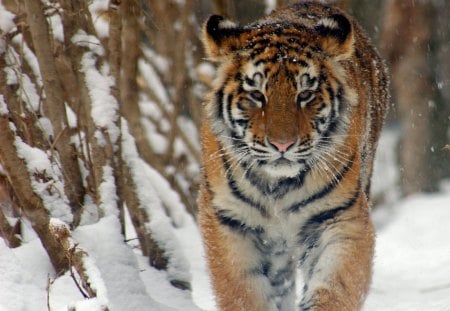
100	106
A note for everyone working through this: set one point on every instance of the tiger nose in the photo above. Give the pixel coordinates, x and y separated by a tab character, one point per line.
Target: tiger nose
281	146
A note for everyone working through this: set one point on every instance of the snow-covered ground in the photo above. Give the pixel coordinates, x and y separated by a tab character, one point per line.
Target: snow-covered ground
411	272
412	266
412	263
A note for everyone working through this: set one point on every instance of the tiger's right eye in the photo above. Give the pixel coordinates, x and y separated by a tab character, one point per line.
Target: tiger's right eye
304	97
258	97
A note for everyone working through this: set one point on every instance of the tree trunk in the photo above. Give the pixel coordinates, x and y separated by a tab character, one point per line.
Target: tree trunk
55	106
410	46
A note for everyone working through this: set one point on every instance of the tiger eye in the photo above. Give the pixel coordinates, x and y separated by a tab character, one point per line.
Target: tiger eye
258	96
304	96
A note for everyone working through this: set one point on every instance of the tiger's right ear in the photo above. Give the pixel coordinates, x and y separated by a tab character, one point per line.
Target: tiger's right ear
221	37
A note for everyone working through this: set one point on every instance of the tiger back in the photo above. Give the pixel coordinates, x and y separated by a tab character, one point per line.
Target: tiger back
289	136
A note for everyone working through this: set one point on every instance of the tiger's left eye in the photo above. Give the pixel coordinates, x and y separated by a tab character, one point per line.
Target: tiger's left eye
258	96
304	97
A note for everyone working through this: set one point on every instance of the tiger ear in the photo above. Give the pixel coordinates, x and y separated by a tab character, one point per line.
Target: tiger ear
337	36
220	37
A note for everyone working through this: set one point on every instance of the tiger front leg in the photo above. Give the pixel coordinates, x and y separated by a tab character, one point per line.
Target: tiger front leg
337	263
245	281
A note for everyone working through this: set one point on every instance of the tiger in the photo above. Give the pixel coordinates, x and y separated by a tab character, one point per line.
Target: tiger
288	137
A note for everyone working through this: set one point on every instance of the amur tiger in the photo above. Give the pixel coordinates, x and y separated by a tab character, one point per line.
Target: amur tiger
288	142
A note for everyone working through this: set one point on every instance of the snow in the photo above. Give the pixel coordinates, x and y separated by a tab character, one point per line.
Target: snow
117	265
270	6
46	180
160	62
98	9
81	38
3	107
411	270
29	56
55	21
154	83
157	141
159	224
6	20
107	189
386	176
46	126
99	82
27	89
72	119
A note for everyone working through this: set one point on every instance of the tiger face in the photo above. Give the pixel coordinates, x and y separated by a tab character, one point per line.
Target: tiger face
281	101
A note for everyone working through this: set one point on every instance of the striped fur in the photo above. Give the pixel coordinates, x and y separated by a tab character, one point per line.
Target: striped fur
289	136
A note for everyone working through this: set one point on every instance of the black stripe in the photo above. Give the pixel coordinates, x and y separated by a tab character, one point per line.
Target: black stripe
279	189
237	225
249	81
229	108
280	276
237	193
240	106
334	121
219	102
340	94
322	217
311	231
325	190
241	122
262	269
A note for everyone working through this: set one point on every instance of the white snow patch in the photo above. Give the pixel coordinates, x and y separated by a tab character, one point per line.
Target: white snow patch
95	280
412	270
385	175
161	63
46	126
99	9
108	193
157	141
160	224
92	304
117	265
149	108
3	107
6	20
46	180
154	83
29	57
168	196
22	285
56	26
90	213
104	104
206	70
27	90
270	6
81	38
72	120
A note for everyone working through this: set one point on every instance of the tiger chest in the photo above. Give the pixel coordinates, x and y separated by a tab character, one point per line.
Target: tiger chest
264	237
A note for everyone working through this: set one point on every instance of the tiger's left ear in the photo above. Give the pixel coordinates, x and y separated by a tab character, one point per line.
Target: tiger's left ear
221	37
337	36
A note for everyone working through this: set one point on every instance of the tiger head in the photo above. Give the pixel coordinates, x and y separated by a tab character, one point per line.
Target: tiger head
281	100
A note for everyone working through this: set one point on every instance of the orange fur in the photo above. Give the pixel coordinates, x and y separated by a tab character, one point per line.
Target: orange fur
256	219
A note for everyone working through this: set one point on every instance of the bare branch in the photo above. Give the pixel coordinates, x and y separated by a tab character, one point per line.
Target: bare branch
54	107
